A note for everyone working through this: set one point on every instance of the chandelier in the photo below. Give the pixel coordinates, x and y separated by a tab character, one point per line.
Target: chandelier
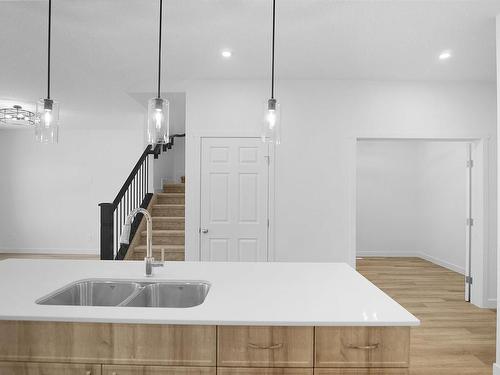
16	115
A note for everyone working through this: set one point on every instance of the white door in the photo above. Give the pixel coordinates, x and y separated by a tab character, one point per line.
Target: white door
234	199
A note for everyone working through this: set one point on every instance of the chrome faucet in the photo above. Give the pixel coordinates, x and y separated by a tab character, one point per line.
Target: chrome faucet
149	261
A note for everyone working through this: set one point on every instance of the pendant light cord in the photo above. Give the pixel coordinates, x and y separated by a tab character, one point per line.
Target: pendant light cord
272	54
48	49
159	48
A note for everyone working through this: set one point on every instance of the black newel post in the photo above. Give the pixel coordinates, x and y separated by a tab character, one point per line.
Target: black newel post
107	223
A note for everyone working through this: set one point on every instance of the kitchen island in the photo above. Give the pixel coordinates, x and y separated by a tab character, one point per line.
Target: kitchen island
257	318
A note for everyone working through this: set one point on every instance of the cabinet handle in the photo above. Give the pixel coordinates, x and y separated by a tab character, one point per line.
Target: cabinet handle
265	347
364	347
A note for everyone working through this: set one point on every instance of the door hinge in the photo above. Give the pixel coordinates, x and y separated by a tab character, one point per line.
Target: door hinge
468	280
469	222
268	223
470	163
268	159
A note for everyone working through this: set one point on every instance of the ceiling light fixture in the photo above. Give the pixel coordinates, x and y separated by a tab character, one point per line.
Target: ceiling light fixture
16	115
47	110
445	55
158	108
271	125
226	53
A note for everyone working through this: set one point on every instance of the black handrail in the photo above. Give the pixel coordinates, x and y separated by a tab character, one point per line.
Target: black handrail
134	193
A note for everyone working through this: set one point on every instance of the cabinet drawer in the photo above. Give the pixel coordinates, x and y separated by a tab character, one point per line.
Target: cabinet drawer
133	344
27	368
361	371
242	346
362	346
156	370
264	371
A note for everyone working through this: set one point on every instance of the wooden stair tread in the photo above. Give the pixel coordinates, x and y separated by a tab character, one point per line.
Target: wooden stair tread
158	248
165	232
171	194
168	205
167	218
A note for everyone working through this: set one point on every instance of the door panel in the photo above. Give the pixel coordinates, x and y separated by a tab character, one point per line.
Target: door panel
234	199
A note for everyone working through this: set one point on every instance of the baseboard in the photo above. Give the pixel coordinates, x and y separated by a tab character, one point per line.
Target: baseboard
417	254
387	254
491	303
496	369
50	251
443	263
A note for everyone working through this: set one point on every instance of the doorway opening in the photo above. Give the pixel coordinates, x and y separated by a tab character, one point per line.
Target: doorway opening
423	198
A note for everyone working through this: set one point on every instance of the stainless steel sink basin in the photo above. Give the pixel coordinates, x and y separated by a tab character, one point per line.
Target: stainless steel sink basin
124	293
171	294
92	293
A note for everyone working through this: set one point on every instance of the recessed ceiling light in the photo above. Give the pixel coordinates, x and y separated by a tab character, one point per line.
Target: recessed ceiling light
226	53
445	55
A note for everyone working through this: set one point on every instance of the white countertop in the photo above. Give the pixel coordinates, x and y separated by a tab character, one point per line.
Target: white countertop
294	294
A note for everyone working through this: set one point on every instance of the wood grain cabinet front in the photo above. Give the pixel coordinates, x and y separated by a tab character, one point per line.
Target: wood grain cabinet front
27	368
362	347
143	344
243	346
264	371
156	370
361	371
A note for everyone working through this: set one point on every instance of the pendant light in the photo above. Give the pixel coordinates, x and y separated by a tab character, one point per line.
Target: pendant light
47	110
158	108
271	125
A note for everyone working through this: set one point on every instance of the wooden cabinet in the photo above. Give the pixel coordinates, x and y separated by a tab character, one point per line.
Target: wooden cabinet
362	347
58	348
27	368
361	371
243	346
156	370
146	344
264	371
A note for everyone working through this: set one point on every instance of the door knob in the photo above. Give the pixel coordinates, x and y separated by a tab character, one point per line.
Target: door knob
204	230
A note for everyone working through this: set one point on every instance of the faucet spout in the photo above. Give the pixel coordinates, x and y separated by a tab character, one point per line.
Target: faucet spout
149	259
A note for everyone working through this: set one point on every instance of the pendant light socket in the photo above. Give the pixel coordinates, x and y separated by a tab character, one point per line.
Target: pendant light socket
48	104
271	104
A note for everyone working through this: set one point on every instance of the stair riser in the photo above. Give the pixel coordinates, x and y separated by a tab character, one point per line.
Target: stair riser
170	200
167	225
139	255
168	211
164	240
173	189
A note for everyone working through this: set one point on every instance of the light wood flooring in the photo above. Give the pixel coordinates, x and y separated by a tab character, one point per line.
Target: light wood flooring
47	256
455	337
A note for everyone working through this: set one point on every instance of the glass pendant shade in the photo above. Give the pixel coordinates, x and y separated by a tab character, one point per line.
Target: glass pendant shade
158	121
271	127
47	121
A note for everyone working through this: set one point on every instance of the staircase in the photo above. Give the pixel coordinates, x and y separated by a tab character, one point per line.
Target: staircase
167	210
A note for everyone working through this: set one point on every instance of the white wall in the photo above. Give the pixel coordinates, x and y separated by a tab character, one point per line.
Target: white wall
388	220
497	264
411	200
315	169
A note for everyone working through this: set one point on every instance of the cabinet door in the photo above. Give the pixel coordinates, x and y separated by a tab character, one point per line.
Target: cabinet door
141	344
361	371
264	371
242	346
27	368
362	346
156	370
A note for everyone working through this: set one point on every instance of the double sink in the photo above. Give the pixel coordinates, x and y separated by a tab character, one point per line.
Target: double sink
123	293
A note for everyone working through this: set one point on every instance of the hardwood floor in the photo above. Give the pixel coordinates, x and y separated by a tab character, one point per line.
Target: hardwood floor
47	256
455	337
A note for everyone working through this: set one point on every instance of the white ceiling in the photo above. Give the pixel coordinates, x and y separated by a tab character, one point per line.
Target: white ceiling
114	41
